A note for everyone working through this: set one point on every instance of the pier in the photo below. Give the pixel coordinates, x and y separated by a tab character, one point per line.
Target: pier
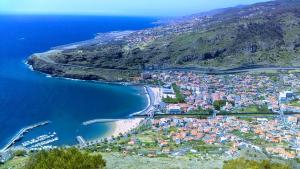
81	141
21	133
99	121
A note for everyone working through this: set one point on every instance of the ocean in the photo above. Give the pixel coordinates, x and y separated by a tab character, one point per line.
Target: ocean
28	97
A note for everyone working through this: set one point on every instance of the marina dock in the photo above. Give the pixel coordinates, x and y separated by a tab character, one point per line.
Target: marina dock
21	133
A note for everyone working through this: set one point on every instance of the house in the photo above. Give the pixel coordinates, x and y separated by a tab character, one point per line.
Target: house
292	119
285	96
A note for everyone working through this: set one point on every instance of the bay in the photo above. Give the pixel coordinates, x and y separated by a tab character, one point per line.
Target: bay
28	97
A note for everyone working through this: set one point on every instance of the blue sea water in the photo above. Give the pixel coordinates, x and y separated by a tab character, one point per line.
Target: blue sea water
28	97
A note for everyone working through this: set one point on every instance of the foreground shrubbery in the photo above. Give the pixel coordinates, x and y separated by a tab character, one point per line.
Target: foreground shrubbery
65	159
242	163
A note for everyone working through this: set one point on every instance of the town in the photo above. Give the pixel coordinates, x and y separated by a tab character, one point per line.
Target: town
186	92
211	117
203	115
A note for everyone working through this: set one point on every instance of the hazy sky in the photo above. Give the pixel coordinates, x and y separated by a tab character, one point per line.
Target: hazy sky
116	7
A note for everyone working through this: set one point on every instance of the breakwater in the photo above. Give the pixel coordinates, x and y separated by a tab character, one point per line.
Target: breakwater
21	133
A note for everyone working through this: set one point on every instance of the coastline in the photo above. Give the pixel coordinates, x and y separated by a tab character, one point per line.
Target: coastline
148	105
120	126
126	125
81	80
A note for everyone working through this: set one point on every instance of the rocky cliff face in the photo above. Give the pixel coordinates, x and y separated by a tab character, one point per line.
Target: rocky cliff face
260	34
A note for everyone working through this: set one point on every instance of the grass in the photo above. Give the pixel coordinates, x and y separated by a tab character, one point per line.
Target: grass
248	135
16	163
295	103
179	97
119	161
255	109
146	139
252	137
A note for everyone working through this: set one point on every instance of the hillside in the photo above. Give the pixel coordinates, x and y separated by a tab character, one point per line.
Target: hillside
263	34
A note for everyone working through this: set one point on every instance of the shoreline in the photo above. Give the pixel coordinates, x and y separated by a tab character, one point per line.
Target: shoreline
148	105
146	88
81	80
126	125
122	126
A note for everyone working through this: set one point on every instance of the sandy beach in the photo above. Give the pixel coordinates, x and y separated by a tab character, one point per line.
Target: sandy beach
156	94
124	126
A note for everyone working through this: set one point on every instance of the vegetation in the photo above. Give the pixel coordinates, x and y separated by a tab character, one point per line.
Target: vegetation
65	158
250	136
295	103
247	135
255	109
235	37
242	163
200	110
15	163
274	78
19	153
218	104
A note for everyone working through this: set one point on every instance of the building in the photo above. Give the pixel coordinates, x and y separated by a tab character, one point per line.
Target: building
167	91
286	96
174	109
146	76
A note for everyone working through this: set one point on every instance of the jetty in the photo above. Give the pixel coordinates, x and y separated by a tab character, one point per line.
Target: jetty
81	141
21	133
99	121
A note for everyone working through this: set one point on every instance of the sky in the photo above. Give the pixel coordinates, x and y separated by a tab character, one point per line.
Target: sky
116	7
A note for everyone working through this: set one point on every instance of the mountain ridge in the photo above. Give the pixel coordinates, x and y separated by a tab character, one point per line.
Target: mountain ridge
263	34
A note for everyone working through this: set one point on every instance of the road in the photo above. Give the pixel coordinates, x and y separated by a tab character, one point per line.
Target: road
220	114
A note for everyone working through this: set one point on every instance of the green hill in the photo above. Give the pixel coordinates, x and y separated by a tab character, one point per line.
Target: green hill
263	34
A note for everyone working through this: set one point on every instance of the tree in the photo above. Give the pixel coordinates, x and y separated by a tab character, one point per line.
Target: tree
218	104
65	158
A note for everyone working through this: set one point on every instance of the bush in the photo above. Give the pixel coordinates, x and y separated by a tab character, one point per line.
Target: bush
200	110
19	153
242	163
218	104
65	158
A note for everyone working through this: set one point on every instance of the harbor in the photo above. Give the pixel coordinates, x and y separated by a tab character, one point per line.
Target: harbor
21	133
41	142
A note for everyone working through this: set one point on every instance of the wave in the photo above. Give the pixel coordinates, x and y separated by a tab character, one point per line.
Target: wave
148	106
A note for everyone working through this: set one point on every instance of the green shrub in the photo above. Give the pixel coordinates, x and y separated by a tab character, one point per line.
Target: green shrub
242	163
218	104
65	159
19	153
